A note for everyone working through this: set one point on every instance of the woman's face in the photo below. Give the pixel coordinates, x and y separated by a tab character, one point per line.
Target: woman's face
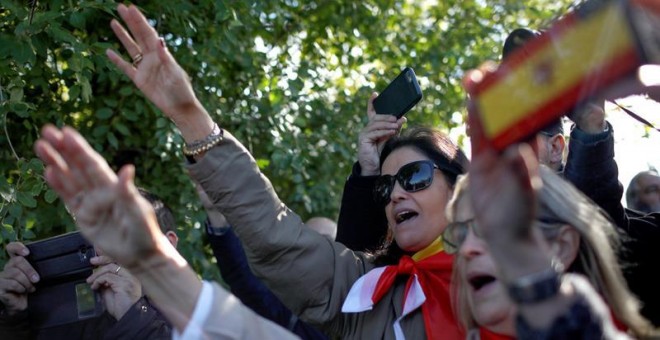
487	299
415	218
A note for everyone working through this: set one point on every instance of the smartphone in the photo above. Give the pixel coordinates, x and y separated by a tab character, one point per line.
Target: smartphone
587	51
400	95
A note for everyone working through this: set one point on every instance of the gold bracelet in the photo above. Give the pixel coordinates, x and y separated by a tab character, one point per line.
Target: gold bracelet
194	148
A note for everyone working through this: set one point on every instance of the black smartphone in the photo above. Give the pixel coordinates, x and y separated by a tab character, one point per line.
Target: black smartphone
400	95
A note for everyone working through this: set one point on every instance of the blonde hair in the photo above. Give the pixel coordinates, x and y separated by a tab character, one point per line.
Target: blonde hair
596	259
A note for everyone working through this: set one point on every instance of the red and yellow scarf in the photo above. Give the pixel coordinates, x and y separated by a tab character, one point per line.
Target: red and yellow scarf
428	287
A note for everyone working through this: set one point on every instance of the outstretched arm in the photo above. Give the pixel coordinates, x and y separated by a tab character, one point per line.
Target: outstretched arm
504	195
111	213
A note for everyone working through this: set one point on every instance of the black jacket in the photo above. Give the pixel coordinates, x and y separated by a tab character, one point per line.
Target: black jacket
141	321
362	224
592	169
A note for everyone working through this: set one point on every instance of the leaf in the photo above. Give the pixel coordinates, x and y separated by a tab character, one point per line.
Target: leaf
100	130
23	53
110	102
112	139
58	34
74	91
126	90
86	89
36	165
26	199
161	122
15	210
20	108
77	19
50	196
28	234
122	129
104	113
16	94
36	189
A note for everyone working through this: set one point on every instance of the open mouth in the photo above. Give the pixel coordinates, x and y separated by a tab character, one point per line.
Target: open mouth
404	216
480	281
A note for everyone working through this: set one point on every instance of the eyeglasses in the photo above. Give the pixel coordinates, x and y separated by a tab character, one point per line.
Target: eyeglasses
456	232
412	177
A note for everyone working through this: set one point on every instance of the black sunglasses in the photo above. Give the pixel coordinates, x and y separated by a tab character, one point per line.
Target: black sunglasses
412	177
456	232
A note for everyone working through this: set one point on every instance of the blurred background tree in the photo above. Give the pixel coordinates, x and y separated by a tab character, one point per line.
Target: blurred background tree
290	78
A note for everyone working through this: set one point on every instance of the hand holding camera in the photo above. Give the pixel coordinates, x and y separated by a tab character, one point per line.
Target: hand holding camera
64	268
17	279
119	289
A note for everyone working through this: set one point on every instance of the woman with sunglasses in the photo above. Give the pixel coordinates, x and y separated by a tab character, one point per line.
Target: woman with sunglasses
530	225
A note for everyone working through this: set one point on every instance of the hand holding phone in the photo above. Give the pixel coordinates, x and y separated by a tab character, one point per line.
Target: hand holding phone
401	95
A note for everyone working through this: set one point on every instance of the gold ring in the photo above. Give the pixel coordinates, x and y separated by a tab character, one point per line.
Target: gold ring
137	59
117	270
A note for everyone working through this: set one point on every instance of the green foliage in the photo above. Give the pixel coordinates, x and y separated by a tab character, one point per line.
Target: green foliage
290	78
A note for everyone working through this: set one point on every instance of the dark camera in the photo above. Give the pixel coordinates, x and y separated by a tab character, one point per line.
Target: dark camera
62	295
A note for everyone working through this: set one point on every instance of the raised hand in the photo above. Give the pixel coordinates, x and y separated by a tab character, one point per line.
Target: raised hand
503	187
153	70
590	118
109	210
373	136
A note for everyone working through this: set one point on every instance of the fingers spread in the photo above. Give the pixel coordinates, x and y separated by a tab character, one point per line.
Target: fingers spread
92	168
57	172
145	36
126	40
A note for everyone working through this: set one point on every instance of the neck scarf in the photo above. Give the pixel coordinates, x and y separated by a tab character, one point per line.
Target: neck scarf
429	278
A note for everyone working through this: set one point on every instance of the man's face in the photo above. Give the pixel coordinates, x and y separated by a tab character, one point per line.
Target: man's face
649	191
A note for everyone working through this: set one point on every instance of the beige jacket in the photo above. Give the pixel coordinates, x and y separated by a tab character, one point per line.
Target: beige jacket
309	273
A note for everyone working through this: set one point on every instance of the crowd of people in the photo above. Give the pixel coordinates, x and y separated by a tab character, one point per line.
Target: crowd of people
525	243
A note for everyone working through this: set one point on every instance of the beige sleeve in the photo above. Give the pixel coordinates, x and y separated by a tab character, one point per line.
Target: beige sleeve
310	274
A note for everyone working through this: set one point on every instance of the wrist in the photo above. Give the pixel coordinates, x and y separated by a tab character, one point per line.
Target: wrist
193	121
216	229
366	169
593	128
536	287
161	256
